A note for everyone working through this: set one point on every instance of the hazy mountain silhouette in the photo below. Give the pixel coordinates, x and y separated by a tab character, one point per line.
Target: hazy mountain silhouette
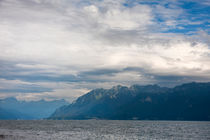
10	108
189	101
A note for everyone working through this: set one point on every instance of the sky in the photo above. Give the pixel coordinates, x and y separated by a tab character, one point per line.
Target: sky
55	49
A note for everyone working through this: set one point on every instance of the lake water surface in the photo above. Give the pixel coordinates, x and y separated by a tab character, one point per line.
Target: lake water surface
103	130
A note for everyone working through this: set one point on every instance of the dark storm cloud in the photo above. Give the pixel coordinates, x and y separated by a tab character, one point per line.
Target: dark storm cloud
11	71
26	89
98	72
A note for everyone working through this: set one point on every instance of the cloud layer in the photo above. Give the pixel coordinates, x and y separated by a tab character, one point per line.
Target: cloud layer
63	48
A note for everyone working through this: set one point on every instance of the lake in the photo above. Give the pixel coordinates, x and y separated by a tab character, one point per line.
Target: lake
103	130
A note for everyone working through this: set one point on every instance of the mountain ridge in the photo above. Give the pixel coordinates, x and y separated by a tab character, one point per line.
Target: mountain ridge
189	101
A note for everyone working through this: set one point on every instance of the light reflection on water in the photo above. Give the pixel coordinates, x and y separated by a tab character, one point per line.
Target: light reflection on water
103	129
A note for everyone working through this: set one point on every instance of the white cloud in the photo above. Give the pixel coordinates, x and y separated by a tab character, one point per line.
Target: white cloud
62	37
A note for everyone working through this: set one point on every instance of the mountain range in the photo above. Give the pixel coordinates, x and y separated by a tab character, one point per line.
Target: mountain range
190	101
11	108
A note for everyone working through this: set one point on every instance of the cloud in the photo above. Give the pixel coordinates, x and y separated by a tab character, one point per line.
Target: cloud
62	49
120	17
17	87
